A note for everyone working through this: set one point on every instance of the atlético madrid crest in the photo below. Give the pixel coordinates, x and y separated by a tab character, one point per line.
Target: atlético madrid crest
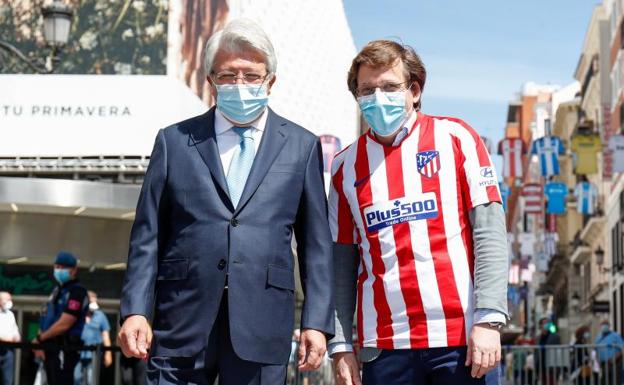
428	163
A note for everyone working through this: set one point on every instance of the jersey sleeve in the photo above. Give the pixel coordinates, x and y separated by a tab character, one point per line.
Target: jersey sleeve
477	168
340	218
76	301
534	148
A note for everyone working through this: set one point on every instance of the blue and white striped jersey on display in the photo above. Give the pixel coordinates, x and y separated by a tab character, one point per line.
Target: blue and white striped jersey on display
548	148
586	197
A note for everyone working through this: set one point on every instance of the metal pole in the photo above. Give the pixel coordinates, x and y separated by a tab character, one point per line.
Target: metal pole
96	359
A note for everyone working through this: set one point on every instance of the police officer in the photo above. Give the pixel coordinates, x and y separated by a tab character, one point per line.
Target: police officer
62	321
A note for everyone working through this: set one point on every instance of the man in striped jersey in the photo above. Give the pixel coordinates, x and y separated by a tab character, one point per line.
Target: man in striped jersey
419	234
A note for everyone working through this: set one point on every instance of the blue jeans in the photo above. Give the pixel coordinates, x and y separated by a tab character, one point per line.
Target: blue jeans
83	373
434	366
7	366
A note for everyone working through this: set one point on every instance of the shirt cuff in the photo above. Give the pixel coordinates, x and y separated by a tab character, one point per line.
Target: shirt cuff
339	347
482	316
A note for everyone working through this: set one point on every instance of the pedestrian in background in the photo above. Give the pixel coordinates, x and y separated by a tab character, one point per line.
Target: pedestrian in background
582	361
610	356
547	362
62	321
9	332
96	332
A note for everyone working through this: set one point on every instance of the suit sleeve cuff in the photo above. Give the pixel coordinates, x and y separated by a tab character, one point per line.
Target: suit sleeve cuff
339	347
489	315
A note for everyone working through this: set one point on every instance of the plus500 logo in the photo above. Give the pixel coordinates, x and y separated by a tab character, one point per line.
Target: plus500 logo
389	213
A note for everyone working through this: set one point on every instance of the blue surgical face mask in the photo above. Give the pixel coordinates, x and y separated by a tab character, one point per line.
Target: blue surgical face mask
62	275
384	111
605	328
586	336
242	103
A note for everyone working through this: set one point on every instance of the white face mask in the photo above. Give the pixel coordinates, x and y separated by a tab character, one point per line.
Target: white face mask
93	306
8	305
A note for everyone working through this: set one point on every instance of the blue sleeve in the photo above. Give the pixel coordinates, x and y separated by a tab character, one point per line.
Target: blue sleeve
137	295
104	324
314	248
534	148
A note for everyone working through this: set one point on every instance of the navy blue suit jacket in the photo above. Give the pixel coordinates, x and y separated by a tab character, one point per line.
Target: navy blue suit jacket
187	235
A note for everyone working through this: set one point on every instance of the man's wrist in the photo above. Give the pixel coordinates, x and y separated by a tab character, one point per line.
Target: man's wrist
339	347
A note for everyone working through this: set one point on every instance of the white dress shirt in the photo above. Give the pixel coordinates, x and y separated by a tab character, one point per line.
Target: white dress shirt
8	326
228	140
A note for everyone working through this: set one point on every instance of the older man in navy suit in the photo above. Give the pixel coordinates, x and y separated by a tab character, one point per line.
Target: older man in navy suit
210	263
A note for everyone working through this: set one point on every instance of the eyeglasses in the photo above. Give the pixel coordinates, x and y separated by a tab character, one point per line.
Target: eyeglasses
386	87
231	78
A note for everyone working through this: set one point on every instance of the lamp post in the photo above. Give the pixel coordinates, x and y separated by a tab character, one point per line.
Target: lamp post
57	18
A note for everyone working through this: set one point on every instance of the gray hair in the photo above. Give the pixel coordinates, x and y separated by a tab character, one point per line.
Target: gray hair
237	36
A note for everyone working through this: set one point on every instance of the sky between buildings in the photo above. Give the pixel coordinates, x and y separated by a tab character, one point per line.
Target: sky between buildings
479	53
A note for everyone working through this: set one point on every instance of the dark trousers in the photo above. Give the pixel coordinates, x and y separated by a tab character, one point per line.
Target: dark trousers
133	371
7	366
60	365
611	373
217	359
435	366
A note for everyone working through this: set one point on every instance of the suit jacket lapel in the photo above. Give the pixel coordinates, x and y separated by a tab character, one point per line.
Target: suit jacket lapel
273	139
204	139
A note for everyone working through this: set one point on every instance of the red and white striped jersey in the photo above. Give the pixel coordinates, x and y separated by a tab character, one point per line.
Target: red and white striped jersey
406	207
512	150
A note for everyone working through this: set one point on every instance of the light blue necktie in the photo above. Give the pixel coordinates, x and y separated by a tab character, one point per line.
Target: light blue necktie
241	164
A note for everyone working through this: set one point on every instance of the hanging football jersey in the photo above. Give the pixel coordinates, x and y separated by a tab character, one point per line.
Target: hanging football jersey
616	145
556	193
586	198
585	148
527	244
512	150
548	149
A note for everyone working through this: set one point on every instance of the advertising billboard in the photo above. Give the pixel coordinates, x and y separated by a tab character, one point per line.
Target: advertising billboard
132	67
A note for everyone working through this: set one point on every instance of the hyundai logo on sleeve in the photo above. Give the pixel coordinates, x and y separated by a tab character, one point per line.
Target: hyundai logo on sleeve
487	172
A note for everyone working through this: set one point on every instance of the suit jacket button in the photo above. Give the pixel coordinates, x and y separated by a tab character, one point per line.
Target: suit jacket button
221	264
234	222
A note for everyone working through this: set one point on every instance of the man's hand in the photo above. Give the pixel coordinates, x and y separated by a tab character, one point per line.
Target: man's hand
135	337
346	369
484	350
312	347
39	353
108	358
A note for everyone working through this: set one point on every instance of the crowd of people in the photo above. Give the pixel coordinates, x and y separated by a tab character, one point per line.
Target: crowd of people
70	327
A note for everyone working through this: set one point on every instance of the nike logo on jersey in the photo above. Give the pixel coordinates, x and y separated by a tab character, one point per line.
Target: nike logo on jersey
360	181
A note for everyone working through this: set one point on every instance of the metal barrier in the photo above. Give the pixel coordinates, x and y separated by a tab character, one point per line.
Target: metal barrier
521	365
90	377
562	365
